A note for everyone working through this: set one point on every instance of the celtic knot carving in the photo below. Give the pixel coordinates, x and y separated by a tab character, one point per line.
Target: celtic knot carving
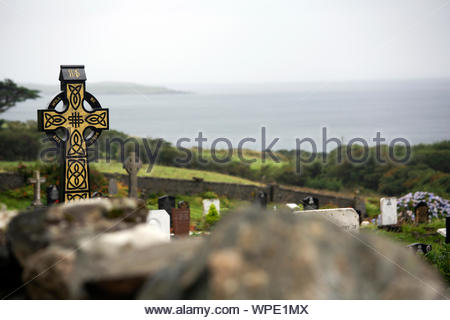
53	120
97	119
76	119
76	196
76	174
76	145
75	95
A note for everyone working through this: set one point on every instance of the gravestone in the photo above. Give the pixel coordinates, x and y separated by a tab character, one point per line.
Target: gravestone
346	218
112	187
447	229
161	220
418	247
445	232
132	165
52	194
208	202
421	212
310	203
388	208
166	202
360	205
81	127
36	181
261	199
181	220
183	204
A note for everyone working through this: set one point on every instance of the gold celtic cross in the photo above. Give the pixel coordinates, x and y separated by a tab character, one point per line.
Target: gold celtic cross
81	128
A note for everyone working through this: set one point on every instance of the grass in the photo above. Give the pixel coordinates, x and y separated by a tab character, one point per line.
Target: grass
157	171
439	256
173	173
20	198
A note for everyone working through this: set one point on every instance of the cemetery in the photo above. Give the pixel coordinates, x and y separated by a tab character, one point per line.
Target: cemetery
71	231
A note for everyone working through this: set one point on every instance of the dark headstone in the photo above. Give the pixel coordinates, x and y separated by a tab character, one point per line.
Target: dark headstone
167	203
261	199
310	203
360	207
420	247
421	212
52	194
447	229
183	204
181	219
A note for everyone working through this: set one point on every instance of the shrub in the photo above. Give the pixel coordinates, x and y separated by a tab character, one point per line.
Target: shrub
213	216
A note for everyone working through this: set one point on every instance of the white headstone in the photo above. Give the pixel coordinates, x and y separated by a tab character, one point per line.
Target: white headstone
292	206
161	220
442	232
388	208
208	202
346	218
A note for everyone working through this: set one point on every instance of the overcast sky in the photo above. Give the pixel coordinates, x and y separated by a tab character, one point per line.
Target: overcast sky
167	41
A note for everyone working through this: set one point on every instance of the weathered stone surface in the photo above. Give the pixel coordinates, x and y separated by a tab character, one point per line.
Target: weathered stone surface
120	276
266	255
346	218
65	224
47	273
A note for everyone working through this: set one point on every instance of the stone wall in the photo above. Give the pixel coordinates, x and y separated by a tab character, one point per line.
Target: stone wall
10	180
275	193
149	185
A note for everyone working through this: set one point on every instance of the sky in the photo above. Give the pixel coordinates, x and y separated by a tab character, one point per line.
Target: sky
211	41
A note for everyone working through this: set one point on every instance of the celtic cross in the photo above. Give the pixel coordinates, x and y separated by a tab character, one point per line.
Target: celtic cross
81	127
36	181
132	165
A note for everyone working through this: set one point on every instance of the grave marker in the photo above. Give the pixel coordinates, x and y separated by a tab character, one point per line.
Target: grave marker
112	187
132	165
208	202
181	219
81	128
421	212
52	194
310	203
36	181
261	199
161	220
388	208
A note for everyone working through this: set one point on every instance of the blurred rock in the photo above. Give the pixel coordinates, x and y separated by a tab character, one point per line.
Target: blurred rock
262	255
100	275
47	273
64	225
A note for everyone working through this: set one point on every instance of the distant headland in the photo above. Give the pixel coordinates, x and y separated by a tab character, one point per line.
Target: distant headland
110	87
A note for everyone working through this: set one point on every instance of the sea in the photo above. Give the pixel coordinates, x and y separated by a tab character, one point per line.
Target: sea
415	110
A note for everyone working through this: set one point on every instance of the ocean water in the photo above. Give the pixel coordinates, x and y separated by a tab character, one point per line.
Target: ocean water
418	111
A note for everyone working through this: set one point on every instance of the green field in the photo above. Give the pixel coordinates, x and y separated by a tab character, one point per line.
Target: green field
157	171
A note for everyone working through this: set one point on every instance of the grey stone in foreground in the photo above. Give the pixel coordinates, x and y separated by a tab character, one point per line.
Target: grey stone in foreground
65	224
262	255
346	218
